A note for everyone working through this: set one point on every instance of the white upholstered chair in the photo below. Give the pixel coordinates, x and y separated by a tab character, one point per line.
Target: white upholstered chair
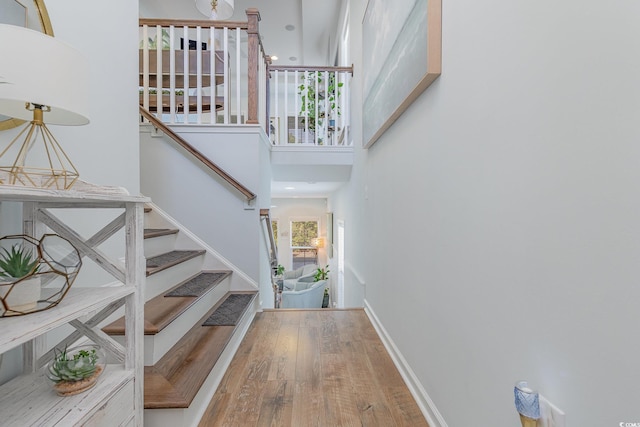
290	278
310	297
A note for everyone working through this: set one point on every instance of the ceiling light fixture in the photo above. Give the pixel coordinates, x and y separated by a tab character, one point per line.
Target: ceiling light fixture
289	188
274	58
216	9
293	58
289	27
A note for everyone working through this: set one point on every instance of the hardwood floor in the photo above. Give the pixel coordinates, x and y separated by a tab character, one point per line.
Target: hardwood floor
324	368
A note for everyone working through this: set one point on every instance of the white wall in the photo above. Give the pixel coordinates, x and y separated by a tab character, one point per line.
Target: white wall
202	201
106	151
504	206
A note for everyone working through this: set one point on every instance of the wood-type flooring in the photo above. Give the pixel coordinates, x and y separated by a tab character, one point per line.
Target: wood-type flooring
324	368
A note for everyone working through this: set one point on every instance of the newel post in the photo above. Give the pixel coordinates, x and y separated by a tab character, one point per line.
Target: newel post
253	17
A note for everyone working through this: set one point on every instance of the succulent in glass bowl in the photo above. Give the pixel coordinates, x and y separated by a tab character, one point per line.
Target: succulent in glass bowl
76	369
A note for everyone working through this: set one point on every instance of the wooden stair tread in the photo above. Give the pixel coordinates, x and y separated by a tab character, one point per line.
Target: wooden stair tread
157	232
174	381
160	311
147	209
162	262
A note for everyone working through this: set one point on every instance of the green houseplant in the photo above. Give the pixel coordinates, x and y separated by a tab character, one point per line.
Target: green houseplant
17	263
19	291
153	42
75	370
323	274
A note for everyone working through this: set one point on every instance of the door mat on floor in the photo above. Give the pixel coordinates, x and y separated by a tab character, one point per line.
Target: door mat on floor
229	311
197	286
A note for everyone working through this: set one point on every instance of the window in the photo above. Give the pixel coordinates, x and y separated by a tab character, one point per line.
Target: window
302	251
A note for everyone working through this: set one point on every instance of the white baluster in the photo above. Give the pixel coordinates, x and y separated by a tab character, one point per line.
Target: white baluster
172	75
185	75
145	67
198	75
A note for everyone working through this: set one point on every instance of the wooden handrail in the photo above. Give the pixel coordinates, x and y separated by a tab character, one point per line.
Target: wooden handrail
197	154
193	23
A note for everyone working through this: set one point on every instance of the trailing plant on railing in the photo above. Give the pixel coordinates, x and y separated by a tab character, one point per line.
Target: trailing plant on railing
315	81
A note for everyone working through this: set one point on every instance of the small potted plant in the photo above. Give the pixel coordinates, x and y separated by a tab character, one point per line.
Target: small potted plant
279	271
321	274
76	370
19	287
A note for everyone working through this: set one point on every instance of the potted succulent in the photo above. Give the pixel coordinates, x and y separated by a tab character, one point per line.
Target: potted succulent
76	370
19	287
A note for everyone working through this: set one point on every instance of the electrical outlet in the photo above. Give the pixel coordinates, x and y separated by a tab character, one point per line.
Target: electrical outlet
550	415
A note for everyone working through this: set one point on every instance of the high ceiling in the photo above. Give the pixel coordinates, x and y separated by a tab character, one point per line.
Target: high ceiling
314	25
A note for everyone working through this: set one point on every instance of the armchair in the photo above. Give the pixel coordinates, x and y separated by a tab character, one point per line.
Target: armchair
306	298
290	278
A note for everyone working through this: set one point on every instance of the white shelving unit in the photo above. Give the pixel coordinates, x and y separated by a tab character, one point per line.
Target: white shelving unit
117	399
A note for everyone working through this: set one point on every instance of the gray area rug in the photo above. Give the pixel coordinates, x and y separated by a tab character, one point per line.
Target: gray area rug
229	311
196	286
168	258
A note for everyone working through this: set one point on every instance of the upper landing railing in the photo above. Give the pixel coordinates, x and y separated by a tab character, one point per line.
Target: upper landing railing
202	72
309	105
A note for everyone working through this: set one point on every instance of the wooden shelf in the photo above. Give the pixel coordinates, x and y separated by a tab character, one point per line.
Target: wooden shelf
11	193
78	302
116	399
29	400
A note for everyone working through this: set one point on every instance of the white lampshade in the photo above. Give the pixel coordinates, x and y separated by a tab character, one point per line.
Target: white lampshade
41	69
224	10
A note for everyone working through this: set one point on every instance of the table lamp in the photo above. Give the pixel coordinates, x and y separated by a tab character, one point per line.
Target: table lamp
45	81
215	9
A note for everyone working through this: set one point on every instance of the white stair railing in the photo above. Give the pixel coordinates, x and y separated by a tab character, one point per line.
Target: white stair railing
309	105
195	72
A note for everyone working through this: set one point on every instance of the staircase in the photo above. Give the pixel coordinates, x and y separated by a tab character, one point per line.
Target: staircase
188	284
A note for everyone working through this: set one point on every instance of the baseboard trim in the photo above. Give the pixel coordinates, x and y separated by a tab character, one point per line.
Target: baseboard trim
428	408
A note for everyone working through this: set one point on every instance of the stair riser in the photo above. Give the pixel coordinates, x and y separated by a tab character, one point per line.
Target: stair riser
153	220
162	281
190	416
157	345
159	245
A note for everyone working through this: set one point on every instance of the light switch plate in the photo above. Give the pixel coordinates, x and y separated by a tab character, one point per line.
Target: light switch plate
550	415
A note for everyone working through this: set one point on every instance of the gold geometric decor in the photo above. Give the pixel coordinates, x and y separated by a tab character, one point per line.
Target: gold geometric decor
35	275
49	86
